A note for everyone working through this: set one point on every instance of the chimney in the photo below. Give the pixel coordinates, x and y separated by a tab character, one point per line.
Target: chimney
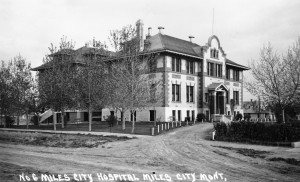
160	29
149	33
191	38
139	33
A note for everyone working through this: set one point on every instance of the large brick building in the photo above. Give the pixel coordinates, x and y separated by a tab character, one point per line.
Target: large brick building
195	79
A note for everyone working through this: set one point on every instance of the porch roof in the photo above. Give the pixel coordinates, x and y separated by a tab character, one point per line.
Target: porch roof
217	87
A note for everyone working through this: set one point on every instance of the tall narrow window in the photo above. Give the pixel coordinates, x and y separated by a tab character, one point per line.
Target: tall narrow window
190	67
179	115
214	53
228	73
193	115
174	115
236	97
188	115
210	69
236	75
218	70
190	93
175	92
176	64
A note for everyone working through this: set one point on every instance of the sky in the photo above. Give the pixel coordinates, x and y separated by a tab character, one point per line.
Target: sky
242	26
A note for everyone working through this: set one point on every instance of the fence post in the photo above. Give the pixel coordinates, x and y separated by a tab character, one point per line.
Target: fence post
157	129
213	135
165	126
172	124
152	131
162	127
187	123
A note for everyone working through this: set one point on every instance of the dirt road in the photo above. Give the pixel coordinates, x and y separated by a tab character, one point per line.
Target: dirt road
185	150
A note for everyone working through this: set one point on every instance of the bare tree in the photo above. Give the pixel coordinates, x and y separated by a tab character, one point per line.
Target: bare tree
276	78
130	85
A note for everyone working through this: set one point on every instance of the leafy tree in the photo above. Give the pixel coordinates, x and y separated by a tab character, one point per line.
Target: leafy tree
276	78
6	92
18	93
57	77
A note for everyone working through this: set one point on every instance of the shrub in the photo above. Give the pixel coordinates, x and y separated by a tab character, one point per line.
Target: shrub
238	117
35	120
247	117
200	117
111	120
272	132
9	121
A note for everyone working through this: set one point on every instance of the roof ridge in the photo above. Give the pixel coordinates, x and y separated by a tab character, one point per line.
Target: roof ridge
196	45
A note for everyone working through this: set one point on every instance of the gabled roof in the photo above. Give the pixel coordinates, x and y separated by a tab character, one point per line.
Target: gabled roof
166	42
217	86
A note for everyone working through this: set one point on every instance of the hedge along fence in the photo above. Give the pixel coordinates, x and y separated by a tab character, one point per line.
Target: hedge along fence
266	132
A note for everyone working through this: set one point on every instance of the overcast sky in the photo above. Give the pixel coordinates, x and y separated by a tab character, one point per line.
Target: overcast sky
243	26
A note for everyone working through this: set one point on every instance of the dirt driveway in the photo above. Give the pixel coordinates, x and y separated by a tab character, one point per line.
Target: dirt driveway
170	157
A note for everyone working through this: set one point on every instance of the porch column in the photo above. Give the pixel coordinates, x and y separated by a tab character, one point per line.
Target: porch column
222	102
213	102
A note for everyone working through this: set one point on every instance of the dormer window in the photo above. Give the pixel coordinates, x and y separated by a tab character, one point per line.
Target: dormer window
214	53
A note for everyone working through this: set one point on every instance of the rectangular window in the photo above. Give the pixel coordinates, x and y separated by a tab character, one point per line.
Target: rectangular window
176	64
190	67
179	115
236	97
175	92
174	115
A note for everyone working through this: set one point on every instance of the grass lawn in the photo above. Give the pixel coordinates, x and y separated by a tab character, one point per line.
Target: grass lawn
57	140
141	128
